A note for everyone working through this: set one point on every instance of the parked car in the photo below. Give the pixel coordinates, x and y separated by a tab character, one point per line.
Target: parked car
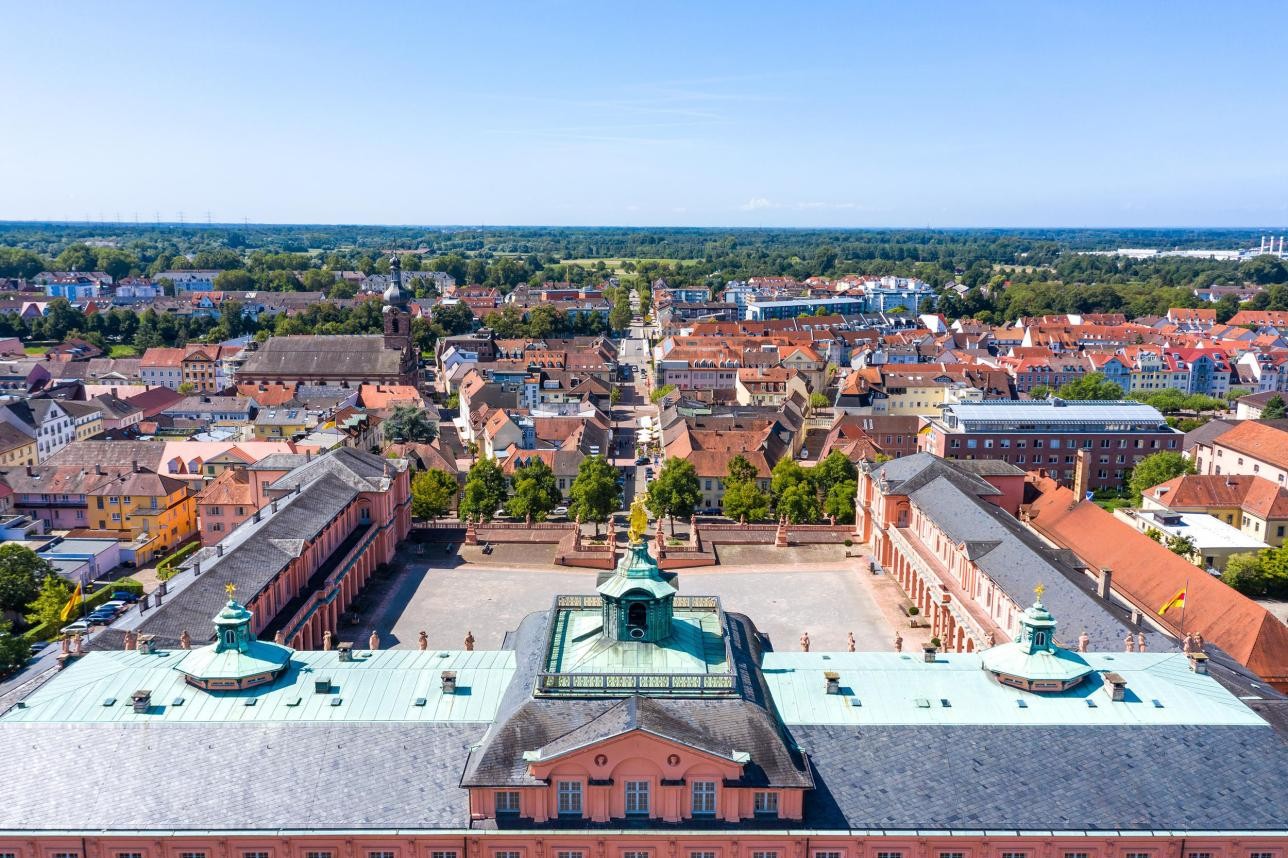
78	627
559	510
642	460
124	596
115	606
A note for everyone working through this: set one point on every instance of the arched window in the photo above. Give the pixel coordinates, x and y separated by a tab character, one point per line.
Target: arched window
1039	638
637	615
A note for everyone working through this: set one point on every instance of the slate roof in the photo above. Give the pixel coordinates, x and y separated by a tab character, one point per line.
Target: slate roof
260	550
314	355
527	723
1018	560
357	468
187	777
1042	779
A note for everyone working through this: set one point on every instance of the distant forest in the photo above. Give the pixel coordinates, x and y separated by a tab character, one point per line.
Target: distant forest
1008	273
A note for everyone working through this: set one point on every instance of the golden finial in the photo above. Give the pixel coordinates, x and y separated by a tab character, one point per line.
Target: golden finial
638	522
230	588
1038	591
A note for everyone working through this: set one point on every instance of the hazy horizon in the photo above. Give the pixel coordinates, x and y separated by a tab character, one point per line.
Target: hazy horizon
1001	115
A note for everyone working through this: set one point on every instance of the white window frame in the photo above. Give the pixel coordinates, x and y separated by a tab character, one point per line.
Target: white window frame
633	792
569	793
707	796
765	804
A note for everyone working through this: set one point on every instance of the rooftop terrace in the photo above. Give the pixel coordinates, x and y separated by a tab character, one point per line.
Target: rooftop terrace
579	659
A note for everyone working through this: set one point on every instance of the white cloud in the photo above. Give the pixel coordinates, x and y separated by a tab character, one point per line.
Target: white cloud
757	203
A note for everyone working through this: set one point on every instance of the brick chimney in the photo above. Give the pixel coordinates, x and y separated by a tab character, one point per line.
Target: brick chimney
1104	587
1082	474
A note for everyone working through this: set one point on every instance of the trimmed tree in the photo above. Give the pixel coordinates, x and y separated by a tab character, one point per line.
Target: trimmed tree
675	491
839	501
743	498
433	493
535	491
593	496
1158	468
799	502
1274	408
835	468
485	490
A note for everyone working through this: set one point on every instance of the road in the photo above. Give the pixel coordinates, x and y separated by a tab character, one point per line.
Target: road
633	352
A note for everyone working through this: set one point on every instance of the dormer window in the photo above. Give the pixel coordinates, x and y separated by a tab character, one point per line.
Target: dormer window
704	798
569	798
507	803
637	798
766	804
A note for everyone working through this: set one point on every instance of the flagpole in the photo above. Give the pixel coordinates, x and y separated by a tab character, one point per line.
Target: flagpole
1184	602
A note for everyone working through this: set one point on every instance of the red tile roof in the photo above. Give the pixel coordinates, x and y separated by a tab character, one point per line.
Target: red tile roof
1148	575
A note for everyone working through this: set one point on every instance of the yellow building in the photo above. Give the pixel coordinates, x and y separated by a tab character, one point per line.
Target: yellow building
87	419
141	502
17	449
284	423
1254	505
198	369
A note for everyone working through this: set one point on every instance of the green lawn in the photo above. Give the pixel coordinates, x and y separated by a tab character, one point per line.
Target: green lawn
34	350
122	351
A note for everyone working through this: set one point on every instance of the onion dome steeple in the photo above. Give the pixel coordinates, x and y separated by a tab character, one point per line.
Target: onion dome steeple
394	294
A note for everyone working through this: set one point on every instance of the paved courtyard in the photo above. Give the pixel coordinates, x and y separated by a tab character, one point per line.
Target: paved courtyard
446	596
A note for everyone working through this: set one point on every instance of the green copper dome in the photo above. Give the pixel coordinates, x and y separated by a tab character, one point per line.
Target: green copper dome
236	659
638	601
1033	661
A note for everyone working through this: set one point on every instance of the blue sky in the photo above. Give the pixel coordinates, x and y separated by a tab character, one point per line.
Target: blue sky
658	113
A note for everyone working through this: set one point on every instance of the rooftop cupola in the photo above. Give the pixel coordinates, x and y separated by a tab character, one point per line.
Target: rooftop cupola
394	294
638	601
237	659
1033	661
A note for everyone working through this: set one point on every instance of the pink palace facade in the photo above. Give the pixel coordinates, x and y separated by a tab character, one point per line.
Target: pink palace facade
637	721
298	563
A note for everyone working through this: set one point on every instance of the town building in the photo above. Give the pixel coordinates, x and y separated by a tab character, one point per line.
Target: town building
46	421
1047	435
639	721
190	280
1200	538
341	360
1253	447
17	448
1253	505
142	504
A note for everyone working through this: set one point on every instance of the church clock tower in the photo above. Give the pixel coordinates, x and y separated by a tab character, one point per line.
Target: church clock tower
397	319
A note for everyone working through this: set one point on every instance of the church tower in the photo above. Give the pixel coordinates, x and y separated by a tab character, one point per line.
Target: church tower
397	319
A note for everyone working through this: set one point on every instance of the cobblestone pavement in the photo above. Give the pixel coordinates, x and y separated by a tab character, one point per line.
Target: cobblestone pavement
446	597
